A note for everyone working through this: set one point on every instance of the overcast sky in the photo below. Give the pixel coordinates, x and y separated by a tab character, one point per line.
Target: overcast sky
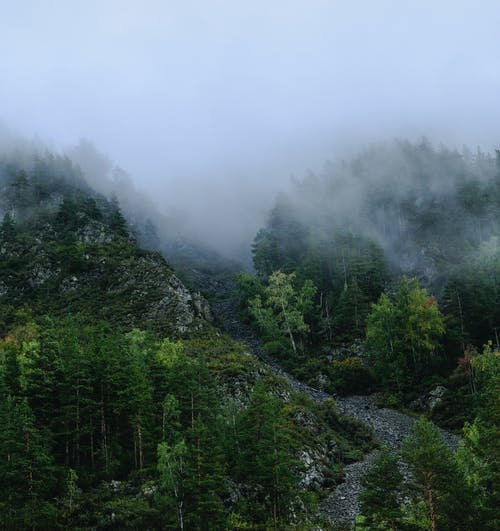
202	91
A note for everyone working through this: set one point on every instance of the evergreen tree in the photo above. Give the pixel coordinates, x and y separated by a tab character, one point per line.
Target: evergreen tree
350	313
26	468
8	229
266	458
137	395
479	452
380	498
117	222
438	481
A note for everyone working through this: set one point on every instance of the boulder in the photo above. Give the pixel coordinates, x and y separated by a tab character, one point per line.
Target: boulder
430	400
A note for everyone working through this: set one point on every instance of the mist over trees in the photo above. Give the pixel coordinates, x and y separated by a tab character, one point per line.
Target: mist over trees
397	208
399	248
122	405
380	274
240	287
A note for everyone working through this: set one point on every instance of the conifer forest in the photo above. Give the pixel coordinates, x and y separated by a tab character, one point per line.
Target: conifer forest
217	337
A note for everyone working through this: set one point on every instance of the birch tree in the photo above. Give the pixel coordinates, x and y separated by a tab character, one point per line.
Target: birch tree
284	308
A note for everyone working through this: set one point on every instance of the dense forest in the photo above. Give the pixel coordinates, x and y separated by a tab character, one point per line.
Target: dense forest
383	274
397	210
125	406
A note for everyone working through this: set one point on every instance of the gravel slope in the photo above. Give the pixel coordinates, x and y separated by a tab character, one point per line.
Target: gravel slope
391	427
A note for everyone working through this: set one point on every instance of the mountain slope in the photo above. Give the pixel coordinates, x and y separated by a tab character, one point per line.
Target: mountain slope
123	405
66	249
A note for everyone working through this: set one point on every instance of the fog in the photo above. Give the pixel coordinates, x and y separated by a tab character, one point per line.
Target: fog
211	107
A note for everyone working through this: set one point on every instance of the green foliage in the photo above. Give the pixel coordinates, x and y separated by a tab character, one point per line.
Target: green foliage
249	287
349	271
117	222
380	497
8	230
127	513
398	207
403	335
479	453
67	250
349	376
350	313
109	427
471	299
440	487
281	244
26	468
264	437
284	308
172	478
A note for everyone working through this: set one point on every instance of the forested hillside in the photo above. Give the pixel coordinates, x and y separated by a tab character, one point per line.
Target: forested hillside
397	209
65	249
124	405
383	274
121	405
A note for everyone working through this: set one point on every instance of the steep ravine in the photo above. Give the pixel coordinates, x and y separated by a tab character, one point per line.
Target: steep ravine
390	427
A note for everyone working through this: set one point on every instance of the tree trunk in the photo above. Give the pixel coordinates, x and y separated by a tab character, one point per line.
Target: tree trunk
141	450
104	431
192	410
328	322
345	271
181	515
92	461
461	322
288	328
430	502
77	422
276	480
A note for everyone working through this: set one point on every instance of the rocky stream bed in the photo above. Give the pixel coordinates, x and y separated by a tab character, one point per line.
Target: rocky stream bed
391	427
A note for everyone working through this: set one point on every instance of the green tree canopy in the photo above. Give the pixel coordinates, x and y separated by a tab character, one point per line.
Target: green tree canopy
403	335
284	308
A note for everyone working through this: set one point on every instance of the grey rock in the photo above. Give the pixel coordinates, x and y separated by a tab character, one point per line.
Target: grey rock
94	232
430	400
4	289
40	274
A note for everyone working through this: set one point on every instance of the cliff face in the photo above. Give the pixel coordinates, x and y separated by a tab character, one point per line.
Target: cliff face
65	249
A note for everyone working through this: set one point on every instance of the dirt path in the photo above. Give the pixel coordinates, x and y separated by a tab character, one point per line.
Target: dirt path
391	427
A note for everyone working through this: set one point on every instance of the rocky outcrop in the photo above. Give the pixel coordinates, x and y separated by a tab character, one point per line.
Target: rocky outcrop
4	289
430	400
187	310
94	232
94	270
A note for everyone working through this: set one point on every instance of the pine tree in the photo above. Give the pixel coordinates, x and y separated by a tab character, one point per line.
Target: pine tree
479	452
350	313
137	395
26	468
380	498
266	458
8	229
438	481
117	222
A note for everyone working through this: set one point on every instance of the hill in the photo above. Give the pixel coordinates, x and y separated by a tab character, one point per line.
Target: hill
123	406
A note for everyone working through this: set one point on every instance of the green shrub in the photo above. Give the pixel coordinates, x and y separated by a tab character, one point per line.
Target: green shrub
349	376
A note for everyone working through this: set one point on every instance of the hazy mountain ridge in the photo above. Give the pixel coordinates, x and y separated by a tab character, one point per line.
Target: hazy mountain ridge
60	238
